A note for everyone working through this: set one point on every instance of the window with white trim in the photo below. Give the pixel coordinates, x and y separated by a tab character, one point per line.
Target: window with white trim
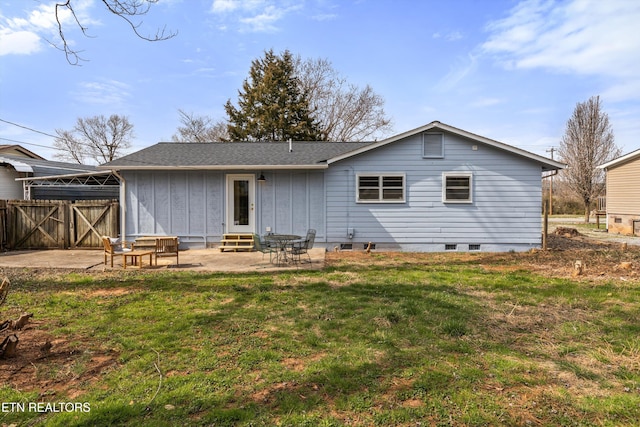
380	188
457	187
432	145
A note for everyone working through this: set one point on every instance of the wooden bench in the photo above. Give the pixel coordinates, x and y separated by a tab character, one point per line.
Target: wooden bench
161	246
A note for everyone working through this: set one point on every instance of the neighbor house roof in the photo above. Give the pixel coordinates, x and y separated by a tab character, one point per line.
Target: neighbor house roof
283	155
18	150
41	167
238	155
620	160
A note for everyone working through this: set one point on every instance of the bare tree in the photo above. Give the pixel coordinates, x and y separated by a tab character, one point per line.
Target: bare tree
199	129
96	139
587	143
344	111
128	10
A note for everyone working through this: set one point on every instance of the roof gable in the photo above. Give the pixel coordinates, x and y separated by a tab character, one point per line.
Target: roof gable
18	150
547	164
621	160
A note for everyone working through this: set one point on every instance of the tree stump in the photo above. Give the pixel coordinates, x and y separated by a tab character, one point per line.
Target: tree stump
8	346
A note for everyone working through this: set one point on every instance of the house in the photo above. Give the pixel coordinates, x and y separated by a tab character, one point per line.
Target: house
26	175
434	188
623	194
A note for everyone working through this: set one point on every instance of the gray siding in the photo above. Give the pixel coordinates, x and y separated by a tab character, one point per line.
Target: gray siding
291	202
504	215
190	204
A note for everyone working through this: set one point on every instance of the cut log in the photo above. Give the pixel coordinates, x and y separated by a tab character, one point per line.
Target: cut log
22	321
8	346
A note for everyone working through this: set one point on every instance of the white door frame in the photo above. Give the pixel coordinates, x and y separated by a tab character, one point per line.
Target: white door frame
249	204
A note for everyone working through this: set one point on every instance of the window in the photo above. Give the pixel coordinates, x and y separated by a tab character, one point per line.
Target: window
457	187
433	145
376	188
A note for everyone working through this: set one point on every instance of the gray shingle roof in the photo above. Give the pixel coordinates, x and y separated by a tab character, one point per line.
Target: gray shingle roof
233	154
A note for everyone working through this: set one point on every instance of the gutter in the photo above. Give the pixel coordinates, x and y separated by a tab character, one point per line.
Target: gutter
123	204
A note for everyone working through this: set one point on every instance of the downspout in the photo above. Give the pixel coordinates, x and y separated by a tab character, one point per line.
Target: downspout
123	205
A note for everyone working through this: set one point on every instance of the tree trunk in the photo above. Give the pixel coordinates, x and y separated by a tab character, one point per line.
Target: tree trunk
586	214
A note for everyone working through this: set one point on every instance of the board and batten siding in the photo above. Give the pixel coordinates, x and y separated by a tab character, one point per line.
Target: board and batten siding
291	202
191	204
623	197
505	213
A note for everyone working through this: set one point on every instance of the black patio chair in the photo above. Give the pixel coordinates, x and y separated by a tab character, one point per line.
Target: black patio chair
302	247
261	246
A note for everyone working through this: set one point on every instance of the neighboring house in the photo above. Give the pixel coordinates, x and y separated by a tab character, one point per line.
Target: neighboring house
25	175
623	194
434	188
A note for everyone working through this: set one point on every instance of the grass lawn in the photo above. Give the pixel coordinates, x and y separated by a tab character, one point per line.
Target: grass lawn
434	341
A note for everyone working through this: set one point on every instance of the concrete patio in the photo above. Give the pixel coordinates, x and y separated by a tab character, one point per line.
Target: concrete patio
191	259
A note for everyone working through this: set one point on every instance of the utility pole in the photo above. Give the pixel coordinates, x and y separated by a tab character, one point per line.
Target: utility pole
551	150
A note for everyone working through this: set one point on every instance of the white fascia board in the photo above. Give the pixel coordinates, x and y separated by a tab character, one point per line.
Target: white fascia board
620	160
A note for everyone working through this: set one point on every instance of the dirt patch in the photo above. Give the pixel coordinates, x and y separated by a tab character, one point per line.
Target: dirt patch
53	366
600	259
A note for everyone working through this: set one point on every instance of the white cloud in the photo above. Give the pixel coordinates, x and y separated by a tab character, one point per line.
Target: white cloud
18	42
24	35
223	6
254	15
107	92
462	68
585	37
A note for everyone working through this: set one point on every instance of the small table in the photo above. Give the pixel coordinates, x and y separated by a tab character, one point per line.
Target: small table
281	242
136	258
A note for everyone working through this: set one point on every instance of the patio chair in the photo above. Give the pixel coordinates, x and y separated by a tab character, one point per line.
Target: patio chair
113	246
167	247
302	247
261	245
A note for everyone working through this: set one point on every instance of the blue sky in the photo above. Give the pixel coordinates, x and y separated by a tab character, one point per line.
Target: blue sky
505	69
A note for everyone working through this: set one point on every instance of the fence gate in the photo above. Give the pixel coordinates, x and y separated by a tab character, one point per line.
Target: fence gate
89	220
48	224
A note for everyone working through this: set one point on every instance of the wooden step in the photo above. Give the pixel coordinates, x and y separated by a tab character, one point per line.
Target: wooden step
236	242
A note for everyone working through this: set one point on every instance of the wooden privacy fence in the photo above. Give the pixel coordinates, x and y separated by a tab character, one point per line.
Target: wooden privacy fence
61	224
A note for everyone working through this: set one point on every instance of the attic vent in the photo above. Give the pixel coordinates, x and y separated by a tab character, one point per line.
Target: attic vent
450	247
433	145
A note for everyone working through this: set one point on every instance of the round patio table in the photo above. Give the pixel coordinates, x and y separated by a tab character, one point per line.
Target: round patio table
281	241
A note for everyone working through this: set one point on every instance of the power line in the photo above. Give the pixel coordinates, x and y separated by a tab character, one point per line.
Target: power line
28	128
28	143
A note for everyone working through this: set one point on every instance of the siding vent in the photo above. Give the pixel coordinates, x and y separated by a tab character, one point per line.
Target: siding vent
346	246
474	247
450	247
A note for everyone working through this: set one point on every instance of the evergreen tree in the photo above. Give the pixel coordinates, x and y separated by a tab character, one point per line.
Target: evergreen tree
271	104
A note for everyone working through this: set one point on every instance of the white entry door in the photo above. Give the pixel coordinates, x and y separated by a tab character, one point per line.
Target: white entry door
241	214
